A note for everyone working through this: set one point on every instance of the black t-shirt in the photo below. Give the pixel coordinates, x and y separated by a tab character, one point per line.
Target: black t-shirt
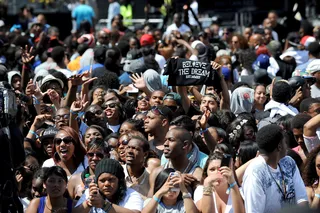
183	72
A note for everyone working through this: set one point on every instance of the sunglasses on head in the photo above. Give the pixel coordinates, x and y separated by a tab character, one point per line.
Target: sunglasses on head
140	97
66	140
97	154
112	106
157	111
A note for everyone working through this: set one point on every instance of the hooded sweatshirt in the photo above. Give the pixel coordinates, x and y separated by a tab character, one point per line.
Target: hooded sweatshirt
11	74
242	100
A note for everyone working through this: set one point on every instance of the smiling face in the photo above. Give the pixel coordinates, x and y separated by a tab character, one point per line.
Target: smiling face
64	147
108	185
111	110
143	102
55	186
260	95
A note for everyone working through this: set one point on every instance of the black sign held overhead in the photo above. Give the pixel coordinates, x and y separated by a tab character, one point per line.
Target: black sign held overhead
183	72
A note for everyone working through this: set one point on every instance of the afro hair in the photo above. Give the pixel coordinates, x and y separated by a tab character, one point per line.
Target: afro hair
281	92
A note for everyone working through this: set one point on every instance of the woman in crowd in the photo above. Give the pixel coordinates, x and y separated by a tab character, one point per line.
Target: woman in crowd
132	125
247	151
97	149
114	114
55	182
143	103
260	98
311	177
171	194
109	193
70	153
92	132
219	190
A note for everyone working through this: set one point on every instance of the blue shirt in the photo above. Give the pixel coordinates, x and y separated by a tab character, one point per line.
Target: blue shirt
202	159
303	67
87	68
81	13
113	10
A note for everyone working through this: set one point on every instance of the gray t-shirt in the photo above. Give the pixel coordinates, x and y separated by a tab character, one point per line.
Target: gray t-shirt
161	208
315	91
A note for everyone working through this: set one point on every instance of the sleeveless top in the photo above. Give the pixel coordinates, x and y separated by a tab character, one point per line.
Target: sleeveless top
42	205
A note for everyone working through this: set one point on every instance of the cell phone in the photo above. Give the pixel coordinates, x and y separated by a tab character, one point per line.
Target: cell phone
225	160
175	189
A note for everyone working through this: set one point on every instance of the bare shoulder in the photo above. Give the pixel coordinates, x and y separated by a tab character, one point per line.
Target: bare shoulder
33	206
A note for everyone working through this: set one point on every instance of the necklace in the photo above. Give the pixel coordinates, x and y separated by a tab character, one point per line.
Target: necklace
283	187
51	210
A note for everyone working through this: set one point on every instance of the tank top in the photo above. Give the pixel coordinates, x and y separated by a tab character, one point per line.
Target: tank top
42	205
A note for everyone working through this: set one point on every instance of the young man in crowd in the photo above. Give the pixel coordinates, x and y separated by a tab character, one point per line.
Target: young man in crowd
272	180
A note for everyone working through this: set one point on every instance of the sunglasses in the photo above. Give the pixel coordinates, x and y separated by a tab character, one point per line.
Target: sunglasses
58	117
124	142
140	97
112	106
66	140
97	154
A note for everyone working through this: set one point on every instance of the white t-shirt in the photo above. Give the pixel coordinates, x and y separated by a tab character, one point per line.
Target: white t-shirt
198	194
262	194
82	166
132	201
161	60
182	29
315	91
114	128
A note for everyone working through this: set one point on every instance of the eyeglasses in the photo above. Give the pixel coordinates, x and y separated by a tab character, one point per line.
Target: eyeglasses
66	140
140	97
97	154
98	112
124	142
112	106
58	117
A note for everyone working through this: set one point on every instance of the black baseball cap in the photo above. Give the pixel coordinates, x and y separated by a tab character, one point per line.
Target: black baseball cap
49	133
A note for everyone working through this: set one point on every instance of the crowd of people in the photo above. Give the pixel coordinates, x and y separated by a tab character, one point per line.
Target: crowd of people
152	120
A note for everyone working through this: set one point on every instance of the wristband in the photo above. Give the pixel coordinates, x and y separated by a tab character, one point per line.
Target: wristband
317	195
156	199
203	131
187	195
106	206
35	100
73	112
231	186
34	133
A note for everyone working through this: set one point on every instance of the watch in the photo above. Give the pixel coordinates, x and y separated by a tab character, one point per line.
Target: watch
187	195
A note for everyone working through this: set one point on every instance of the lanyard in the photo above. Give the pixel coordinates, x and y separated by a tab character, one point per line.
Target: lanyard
283	191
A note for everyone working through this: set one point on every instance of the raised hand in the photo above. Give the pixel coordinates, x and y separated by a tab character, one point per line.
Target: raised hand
138	81
215	65
30	89
26	56
204	118
37	92
79	105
